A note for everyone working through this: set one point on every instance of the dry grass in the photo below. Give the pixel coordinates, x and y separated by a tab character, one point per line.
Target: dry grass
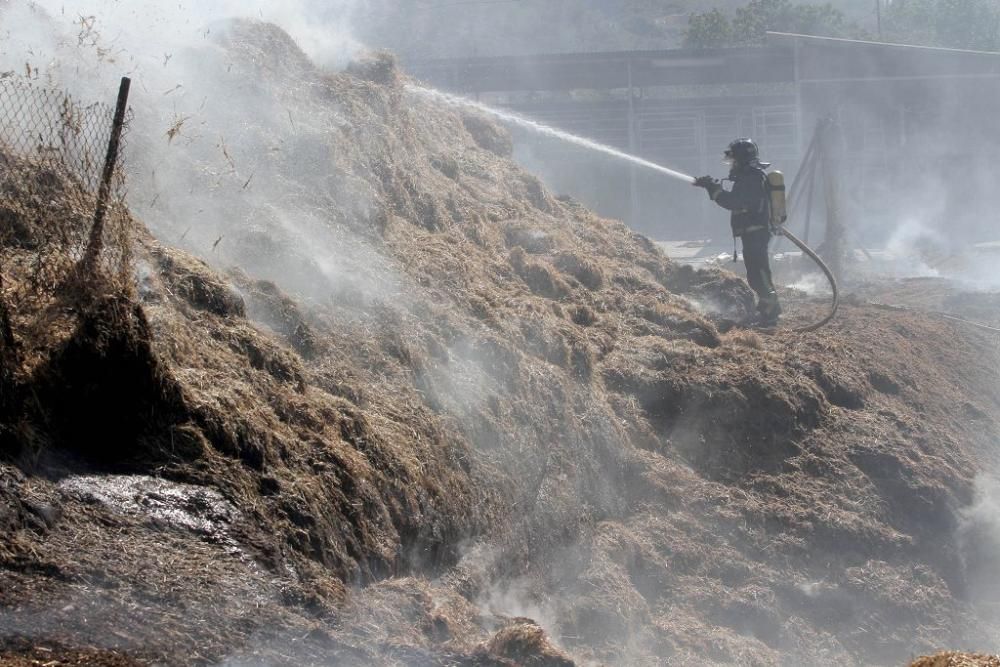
536	420
524	643
957	660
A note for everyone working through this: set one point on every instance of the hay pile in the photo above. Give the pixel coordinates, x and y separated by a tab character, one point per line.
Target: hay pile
957	660
539	418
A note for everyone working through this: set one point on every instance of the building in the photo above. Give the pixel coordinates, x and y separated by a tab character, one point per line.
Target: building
918	141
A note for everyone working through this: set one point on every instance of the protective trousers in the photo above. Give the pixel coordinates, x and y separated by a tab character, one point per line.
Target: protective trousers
757	260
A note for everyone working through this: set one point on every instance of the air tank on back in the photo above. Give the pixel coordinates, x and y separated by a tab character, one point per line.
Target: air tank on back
776	189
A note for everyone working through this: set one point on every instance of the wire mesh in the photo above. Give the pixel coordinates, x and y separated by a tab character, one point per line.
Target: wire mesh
52	154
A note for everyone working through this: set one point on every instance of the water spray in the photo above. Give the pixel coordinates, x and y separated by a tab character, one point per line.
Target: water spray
535	126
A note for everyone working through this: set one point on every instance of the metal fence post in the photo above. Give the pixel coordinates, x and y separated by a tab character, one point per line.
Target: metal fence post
831	159
94	245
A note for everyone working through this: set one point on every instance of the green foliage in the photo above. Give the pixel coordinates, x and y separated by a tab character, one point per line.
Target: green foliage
750	24
709	30
960	24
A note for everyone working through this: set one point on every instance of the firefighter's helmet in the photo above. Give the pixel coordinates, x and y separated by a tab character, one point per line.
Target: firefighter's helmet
742	151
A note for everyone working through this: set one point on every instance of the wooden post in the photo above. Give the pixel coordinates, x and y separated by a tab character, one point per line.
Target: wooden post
94	245
829	154
800	111
805	167
806	173
809	201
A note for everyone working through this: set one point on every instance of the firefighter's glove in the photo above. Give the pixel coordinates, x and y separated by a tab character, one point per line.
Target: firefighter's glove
710	184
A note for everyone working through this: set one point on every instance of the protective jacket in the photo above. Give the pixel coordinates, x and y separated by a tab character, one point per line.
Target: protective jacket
749	200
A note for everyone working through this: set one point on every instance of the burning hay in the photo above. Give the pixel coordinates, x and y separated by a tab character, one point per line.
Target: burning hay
439	401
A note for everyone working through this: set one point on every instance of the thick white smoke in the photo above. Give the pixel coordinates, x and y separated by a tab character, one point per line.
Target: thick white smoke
140	35
979	538
230	154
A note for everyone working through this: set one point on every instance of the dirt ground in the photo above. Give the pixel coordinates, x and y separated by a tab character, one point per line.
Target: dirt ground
534	444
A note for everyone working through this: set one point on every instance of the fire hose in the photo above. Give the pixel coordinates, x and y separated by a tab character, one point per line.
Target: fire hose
829	276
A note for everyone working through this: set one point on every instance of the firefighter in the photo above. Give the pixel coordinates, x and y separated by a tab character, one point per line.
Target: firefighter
750	203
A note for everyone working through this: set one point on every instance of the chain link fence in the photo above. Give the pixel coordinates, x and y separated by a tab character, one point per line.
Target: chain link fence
53	154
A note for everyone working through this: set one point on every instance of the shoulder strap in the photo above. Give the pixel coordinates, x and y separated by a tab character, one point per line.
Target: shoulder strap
766	185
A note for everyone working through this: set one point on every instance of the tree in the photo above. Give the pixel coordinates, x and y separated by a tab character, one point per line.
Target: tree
749	24
960	24
709	30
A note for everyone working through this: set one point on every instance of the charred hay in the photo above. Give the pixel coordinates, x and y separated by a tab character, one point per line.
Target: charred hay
541	416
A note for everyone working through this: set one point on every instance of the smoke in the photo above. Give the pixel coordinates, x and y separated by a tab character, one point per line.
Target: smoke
916	248
231	154
142	35
812	284
233	157
979	539
520	598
